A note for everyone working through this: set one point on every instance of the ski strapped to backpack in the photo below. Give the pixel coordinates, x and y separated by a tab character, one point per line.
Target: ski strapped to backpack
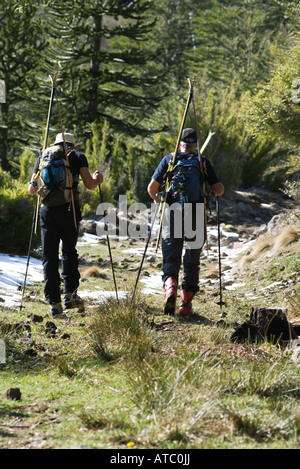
38	200
54	168
39	197
202	169
189	170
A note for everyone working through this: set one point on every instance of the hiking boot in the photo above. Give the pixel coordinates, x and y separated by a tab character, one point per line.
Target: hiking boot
171	286
185	307
56	310
72	300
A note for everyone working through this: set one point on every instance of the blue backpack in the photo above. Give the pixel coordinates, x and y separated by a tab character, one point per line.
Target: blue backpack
186	179
54	173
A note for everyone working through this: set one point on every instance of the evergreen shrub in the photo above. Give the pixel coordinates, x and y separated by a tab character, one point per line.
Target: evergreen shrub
16	217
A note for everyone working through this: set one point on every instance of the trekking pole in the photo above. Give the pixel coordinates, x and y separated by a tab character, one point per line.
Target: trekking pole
146	247
28	255
109	250
221	302
190	96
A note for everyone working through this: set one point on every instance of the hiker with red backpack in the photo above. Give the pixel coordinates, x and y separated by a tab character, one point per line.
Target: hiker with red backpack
185	190
58	169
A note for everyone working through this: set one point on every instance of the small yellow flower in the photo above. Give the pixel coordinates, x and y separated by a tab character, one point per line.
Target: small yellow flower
130	444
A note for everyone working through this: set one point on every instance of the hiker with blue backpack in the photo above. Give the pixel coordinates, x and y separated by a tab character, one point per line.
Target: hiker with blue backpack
184	197
59	168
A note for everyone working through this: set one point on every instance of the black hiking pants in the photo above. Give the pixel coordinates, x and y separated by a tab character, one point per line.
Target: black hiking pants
183	228
57	225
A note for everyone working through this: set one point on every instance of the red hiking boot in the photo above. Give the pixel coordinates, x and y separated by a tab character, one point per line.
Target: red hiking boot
171	286
185	307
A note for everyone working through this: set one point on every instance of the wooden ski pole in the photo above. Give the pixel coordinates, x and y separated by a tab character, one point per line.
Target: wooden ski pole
39	197
28	254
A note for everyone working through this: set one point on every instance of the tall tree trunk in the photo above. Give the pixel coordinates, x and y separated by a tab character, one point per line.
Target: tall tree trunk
3	137
94	71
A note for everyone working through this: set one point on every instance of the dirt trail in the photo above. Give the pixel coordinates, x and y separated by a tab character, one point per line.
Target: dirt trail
244	215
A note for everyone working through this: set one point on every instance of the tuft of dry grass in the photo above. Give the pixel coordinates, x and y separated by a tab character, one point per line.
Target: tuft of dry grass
212	272
289	235
93	271
270	246
258	248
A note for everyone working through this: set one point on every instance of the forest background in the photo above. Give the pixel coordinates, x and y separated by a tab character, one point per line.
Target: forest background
122	86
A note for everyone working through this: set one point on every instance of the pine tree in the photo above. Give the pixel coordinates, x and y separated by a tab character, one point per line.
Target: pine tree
99	48
175	35
233	41
21	45
275	108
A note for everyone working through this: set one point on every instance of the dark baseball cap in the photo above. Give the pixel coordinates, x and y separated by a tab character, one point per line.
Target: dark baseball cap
189	136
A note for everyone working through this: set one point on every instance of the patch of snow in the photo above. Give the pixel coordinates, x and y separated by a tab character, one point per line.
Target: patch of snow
88	238
101	295
153	284
12	276
140	250
234	286
274	284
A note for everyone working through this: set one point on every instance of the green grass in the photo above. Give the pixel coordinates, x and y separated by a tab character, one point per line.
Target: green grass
283	267
118	379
